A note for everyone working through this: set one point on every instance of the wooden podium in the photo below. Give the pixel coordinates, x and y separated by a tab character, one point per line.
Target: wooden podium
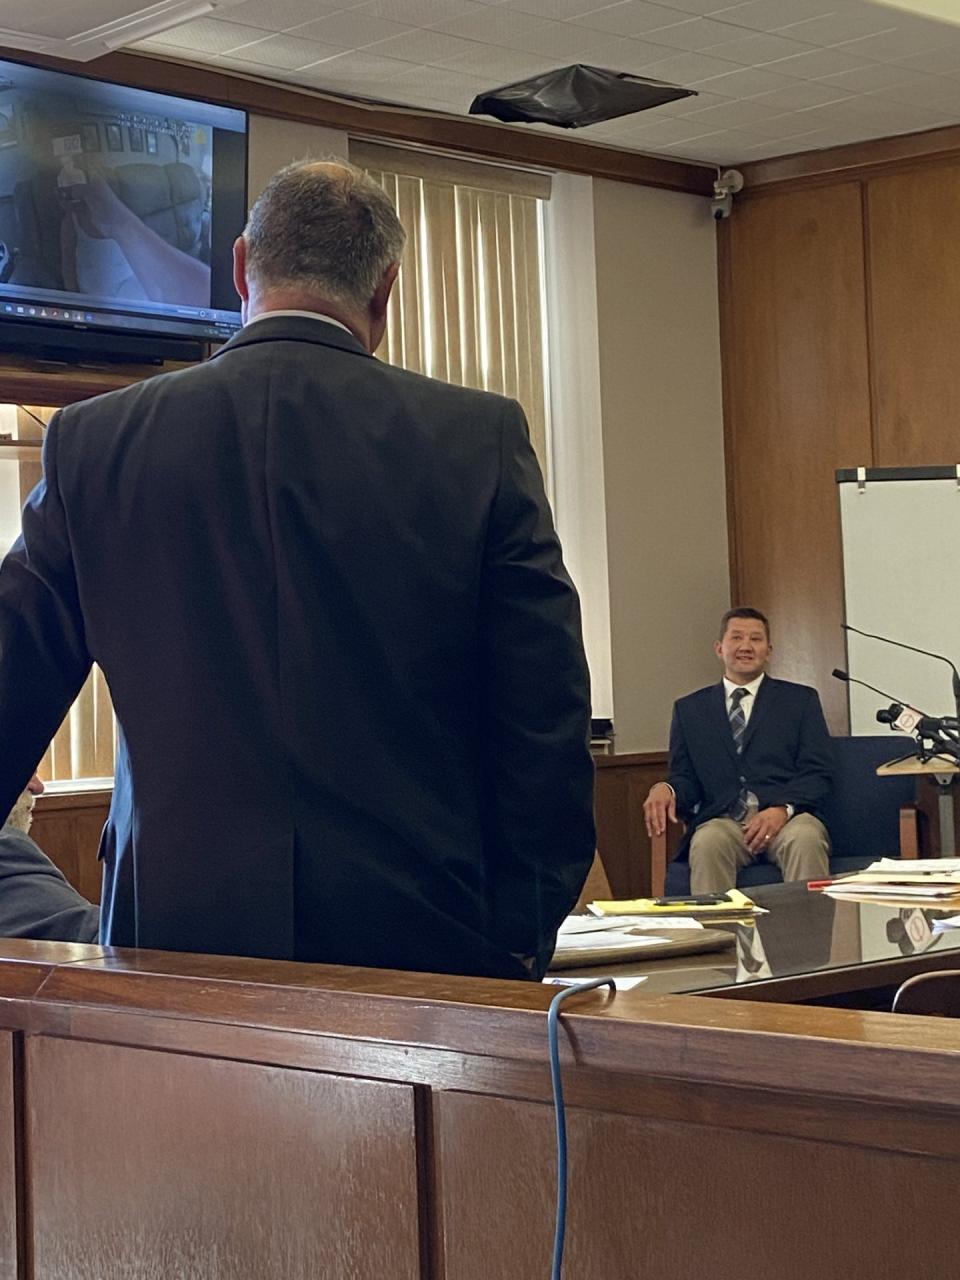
941	774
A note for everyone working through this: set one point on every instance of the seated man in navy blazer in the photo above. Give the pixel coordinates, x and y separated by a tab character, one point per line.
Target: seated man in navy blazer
750	767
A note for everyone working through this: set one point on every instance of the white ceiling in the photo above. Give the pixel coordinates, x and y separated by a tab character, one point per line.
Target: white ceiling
772	76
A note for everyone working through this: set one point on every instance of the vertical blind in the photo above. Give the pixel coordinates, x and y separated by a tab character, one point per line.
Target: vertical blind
468	304
84	745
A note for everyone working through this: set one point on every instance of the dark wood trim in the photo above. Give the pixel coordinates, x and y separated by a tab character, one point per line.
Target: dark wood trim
23	1214
855	160
51	802
472	137
27	381
214	1004
725	287
868	318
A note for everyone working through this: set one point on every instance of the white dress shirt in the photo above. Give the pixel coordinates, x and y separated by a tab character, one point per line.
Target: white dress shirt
307	315
746	704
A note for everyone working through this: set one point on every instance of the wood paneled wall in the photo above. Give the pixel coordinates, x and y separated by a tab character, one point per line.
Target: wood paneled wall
840	314
67	828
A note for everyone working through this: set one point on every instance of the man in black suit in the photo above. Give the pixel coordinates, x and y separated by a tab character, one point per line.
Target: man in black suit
750	767
329	601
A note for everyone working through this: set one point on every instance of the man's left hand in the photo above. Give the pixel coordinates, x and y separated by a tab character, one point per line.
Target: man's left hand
763	827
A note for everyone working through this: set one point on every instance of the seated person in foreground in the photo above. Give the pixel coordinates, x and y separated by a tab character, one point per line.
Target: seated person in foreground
750	767
36	901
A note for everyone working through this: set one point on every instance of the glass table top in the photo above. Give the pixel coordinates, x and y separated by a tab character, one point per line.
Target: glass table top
804	933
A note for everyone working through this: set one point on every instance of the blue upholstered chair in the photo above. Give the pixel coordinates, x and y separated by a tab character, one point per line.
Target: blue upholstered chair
868	817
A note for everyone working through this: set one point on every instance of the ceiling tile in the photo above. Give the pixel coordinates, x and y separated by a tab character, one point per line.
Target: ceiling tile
284	52
943	61
664	130
700	8
933	92
800	94
206	35
816	63
500	66
699	101
435	48
416	13
769	15
558	10
688	68
633	56
355	65
631	18
747	82
441	82
850	24
786	125
695	34
892	46
754	48
734	112
867	79
277	15
350	30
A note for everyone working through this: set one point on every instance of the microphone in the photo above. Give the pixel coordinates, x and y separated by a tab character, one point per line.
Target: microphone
913	649
934	726
888	715
898	704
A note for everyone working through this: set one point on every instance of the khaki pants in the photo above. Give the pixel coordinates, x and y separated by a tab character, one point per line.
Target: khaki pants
801	850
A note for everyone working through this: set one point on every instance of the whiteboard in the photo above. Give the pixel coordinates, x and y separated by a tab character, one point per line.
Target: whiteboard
901	572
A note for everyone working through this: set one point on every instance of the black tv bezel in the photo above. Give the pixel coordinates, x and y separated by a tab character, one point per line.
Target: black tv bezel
69	342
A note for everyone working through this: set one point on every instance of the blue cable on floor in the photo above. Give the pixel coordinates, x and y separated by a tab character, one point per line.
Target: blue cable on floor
553	1015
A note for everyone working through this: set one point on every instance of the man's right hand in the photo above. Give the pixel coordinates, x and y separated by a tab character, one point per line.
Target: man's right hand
659	805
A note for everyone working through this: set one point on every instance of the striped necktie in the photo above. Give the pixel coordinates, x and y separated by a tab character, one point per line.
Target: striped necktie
738	723
738	719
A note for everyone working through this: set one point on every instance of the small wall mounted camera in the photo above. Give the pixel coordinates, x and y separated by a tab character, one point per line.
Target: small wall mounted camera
726	186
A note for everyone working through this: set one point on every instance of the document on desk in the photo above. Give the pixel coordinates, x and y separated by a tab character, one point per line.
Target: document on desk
917	866
574	925
621	984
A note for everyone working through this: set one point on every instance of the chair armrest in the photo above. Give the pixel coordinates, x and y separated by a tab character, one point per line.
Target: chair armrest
909	832
658	864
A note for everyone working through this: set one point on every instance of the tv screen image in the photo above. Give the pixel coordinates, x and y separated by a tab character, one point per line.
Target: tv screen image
118	209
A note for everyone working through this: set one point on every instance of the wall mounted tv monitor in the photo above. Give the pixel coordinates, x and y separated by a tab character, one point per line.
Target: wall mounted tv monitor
118	210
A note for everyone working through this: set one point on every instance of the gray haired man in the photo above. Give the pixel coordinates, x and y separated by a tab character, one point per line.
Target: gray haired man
329	601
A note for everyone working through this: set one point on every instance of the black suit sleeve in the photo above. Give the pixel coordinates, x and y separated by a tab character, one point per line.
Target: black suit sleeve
43	652
683	776
539	774
811	785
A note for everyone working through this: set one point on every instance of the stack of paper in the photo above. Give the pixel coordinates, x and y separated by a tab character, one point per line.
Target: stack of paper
588	940
733	906
934	881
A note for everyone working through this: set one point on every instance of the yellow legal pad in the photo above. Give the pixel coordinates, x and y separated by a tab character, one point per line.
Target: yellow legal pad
737	907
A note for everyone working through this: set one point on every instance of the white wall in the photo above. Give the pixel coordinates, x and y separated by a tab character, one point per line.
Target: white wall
274	143
576	439
659	346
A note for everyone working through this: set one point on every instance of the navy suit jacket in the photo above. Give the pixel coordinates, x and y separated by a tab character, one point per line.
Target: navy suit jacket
786	755
343	651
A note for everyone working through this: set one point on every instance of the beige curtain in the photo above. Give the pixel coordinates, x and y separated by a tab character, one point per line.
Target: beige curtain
83	746
468	303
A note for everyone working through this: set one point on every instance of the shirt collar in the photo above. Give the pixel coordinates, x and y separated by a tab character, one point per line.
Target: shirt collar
307	315
751	688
